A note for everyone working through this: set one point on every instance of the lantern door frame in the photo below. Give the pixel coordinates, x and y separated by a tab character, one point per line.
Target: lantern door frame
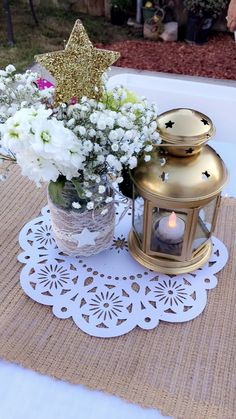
148	228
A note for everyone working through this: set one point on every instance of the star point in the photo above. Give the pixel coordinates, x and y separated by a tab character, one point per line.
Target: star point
204	121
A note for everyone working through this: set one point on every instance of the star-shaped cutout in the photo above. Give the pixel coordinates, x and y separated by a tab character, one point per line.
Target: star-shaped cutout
204	121
205	174
189	150
169	124
78	69
164	176
120	244
85	238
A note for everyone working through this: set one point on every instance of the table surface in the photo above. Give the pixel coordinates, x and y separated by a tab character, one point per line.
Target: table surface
25	394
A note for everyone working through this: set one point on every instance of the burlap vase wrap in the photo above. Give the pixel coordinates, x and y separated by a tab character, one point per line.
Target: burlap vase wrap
186	370
67	225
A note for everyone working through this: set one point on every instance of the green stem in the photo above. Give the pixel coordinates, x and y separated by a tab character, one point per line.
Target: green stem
7	158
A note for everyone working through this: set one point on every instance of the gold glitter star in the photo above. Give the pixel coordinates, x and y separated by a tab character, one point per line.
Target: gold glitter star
78	69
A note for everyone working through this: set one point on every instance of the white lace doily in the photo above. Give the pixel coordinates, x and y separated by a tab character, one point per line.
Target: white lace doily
109	294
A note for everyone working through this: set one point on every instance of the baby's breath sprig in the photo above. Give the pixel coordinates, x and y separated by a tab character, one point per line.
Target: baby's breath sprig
89	144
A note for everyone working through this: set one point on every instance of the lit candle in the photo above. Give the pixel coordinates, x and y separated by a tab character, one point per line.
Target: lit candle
171	229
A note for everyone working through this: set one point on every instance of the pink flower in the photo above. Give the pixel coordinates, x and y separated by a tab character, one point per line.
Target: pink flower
73	100
44	84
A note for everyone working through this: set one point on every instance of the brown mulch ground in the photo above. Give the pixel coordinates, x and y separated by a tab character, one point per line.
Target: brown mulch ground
216	59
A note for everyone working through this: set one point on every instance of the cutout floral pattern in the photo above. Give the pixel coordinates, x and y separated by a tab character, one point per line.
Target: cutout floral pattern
109	294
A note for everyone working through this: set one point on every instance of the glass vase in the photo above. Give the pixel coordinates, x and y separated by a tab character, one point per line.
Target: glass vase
81	233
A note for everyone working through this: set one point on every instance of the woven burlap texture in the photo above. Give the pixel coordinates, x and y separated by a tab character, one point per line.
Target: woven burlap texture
185	370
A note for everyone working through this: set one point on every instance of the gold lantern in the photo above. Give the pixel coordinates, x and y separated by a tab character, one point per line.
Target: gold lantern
176	195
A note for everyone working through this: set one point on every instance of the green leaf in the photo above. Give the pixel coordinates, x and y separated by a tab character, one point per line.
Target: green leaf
78	187
55	191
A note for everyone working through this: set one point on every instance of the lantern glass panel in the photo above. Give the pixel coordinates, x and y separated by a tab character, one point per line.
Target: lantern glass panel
204	224
168	229
138	208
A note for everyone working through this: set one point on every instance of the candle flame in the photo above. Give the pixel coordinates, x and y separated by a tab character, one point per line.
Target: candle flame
172	220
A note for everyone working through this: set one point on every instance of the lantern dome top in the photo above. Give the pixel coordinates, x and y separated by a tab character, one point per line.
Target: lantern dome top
185	127
179	179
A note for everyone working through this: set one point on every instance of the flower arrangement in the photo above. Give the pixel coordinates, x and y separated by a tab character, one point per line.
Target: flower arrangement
87	143
19	91
210	8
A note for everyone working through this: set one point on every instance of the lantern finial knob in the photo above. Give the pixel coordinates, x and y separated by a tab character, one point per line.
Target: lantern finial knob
184	131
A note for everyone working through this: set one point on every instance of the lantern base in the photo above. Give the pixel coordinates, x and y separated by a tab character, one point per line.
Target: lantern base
168	266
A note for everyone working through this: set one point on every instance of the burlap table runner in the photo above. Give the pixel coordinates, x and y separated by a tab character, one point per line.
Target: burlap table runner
185	370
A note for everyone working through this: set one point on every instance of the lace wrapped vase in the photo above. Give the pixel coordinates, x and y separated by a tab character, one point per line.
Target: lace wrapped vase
82	233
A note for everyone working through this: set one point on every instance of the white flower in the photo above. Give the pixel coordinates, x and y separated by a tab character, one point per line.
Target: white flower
101	189
76	205
110	122
119	179
36	168
145	131
148	148
93	118
101	124
81	130
98	179
90	205
108	199
72	156
71	122
88	194
153	125
100	159
125	147
120	133
50	137
115	147
128	135
123	159
132	162
155	136
147	157
104	211
122	121
88	146
97	148
113	136
10	69
15	133
114	162
92	132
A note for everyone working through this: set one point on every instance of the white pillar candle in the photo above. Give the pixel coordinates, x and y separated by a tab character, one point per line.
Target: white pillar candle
171	229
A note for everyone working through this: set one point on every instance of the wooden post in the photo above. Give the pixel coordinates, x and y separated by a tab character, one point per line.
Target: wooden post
107	7
96	7
7	13
33	11
139	4
80	6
